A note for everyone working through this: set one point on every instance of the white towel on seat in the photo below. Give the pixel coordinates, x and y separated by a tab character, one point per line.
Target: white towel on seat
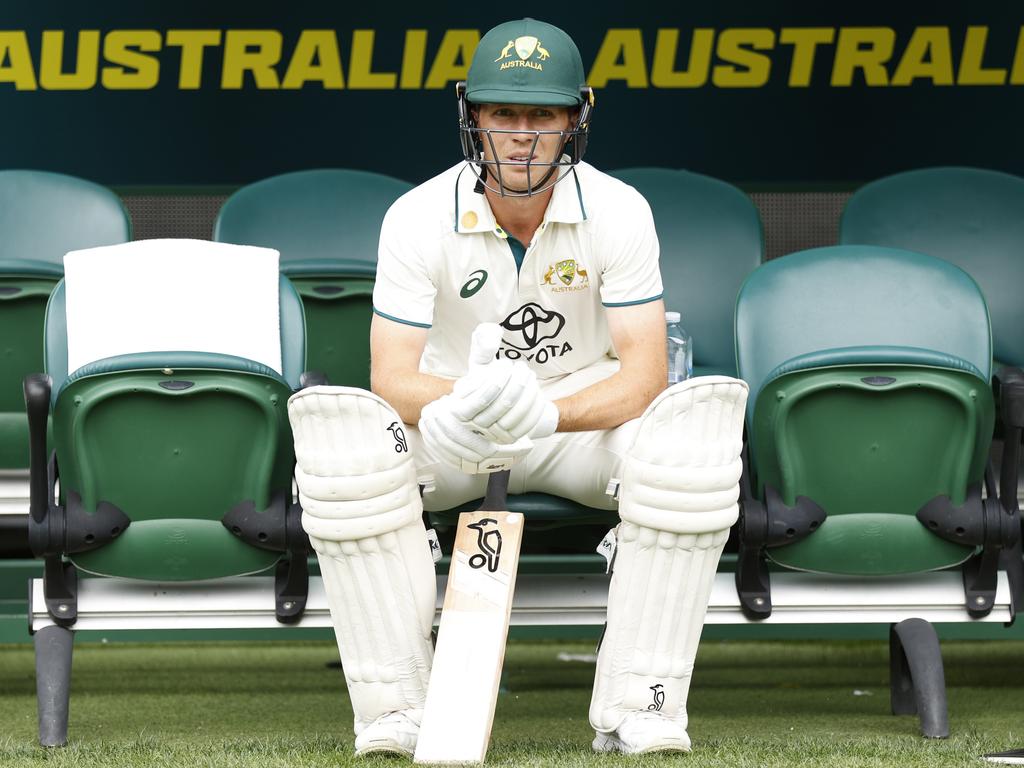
172	295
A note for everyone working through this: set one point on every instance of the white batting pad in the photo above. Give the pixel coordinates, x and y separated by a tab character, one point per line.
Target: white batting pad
355	473
362	512
682	472
678	499
172	296
656	605
381	591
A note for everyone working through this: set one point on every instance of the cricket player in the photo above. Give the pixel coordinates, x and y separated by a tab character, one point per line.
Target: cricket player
524	234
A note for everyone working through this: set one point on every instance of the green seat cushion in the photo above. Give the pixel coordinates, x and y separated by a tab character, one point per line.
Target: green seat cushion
540	510
175	550
174	460
871	445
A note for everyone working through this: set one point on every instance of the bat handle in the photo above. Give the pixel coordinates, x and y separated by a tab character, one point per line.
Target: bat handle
496	497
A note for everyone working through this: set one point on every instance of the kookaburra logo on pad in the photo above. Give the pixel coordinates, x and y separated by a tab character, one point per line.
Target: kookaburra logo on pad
489	544
401	446
659	698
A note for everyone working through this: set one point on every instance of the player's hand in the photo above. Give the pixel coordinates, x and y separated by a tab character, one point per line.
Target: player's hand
519	410
459	444
499	398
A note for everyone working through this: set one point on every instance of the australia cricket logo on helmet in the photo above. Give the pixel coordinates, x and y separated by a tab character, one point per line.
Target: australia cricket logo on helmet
489	544
525	47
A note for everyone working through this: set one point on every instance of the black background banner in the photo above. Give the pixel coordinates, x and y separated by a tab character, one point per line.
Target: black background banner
770	95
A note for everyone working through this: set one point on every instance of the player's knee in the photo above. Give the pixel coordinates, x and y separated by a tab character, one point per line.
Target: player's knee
682	472
355	474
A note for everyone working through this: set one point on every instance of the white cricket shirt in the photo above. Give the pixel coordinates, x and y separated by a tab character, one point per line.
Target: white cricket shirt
445	264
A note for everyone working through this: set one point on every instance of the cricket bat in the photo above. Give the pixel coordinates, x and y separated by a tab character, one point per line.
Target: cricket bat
470	649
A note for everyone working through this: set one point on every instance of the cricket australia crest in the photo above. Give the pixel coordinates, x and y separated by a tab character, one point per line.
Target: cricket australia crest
529	50
572	276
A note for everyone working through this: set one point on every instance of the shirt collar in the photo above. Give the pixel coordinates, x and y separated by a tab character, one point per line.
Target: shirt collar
473	212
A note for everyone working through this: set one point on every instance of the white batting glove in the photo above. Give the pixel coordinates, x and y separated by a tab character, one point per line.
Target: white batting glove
457	443
502	399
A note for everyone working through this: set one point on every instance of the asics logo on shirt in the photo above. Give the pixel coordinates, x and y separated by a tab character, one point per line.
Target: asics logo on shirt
475	283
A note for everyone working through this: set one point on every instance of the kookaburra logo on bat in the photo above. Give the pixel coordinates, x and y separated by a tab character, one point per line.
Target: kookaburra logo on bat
489	544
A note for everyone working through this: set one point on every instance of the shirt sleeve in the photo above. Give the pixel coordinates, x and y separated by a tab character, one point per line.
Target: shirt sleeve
629	245
404	291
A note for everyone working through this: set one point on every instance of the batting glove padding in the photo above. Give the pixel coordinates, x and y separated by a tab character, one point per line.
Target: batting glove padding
461	445
518	410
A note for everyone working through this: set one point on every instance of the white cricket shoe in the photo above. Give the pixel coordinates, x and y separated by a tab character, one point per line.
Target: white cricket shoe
394	733
643	732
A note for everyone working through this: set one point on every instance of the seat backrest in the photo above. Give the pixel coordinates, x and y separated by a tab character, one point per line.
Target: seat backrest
971	217
869	370
849	297
711	238
42	217
326	225
319	215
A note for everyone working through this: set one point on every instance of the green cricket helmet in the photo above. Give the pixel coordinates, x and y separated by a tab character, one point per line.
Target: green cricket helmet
532	63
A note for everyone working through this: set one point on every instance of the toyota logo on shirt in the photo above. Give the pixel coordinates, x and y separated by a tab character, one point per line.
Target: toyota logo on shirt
530	325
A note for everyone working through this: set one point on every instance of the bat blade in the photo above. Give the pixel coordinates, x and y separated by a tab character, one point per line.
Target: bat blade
463	688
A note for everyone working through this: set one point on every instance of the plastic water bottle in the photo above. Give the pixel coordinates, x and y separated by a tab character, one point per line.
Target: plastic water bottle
680	350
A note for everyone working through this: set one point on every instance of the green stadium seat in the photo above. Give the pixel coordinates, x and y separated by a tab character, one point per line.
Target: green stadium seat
869	424
326	224
172	466
973	218
42	217
711	238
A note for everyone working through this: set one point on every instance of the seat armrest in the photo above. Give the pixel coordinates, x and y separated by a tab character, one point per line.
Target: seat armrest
1009	385
37	404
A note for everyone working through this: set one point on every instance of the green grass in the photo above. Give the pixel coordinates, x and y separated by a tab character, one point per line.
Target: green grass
752	704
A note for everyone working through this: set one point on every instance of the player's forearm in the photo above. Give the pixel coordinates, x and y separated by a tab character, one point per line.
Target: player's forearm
608	403
407	393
